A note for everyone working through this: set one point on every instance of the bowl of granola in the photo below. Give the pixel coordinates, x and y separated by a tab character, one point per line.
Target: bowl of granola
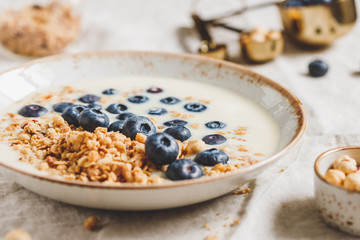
141	130
337	186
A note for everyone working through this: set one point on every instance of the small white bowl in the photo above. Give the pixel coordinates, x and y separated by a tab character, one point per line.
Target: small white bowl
339	207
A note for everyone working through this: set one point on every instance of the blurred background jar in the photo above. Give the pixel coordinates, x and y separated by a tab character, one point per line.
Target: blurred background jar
38	28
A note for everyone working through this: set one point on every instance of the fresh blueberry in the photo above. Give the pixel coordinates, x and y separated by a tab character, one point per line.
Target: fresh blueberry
60	107
214	139
161	148
318	68
138	124
32	110
170	100
294	3
157	111
94	105
124	116
116	126
180	133
154	90
183	169
175	123
71	114
116	108
215	125
89	98
110	91
138	99
211	157
315	2
195	107
91	118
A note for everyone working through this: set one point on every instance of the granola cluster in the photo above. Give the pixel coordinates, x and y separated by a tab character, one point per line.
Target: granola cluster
76	154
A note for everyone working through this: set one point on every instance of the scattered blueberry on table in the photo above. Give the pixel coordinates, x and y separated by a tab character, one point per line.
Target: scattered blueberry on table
154	90
294	3
215	125
91	118
300	3
138	124
125	115
32	110
180	133
170	100
318	68
161	148
71	114
116	126
157	111
183	169
211	157
110	91
315	2
195	107
138	99
214	139
116	108
89	98
60	107
175	123
95	105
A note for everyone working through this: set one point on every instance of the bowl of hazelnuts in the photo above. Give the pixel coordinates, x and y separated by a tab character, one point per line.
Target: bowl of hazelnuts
337	188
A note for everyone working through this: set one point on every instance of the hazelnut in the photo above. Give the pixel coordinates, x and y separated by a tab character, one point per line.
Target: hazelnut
352	181
17	234
335	176
91	223
345	164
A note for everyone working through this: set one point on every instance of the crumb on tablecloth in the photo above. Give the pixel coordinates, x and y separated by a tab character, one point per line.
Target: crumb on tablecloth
240	191
211	237
235	222
91	223
206	225
17	234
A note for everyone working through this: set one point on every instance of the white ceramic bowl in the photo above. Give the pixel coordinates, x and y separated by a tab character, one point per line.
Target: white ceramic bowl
339	207
283	105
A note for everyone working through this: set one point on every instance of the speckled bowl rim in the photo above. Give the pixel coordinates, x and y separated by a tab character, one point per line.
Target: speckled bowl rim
293	100
326	154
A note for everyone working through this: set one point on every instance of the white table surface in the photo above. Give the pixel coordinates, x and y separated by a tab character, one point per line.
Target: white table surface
281	204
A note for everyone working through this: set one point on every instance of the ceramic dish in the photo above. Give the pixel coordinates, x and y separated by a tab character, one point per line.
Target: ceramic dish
285	108
339	207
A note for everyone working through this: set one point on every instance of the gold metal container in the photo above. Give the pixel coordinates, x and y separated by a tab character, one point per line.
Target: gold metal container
262	46
319	24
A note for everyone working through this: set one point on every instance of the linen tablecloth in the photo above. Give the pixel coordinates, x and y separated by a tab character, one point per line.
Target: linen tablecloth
281	202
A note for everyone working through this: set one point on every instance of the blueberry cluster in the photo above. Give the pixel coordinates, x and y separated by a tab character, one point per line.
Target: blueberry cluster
162	149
